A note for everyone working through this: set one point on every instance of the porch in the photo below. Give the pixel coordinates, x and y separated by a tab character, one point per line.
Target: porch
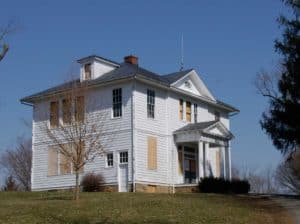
203	150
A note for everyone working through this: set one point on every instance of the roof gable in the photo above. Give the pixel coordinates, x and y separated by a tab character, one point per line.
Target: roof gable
218	129
192	83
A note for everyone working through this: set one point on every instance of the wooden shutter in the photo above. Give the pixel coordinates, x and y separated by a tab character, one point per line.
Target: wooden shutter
54	110
188	111
152	153
180	165
181	109
67	106
52	161
218	163
79	109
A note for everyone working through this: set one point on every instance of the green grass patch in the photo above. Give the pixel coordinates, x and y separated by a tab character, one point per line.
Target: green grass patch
98	208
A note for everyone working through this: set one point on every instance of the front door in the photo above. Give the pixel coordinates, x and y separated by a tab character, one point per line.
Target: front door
123	177
123	172
190	169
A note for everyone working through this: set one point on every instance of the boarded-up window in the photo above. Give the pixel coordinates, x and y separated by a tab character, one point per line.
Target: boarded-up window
54	110
65	162
188	111
79	109
180	158
52	161
67	110
181	109
87	71
152	153
218	163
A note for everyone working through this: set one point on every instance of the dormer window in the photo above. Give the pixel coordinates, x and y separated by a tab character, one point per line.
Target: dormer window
87	71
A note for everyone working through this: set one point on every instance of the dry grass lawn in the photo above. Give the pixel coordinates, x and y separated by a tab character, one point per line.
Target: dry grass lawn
100	208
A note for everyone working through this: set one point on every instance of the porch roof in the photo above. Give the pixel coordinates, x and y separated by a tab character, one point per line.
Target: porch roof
209	128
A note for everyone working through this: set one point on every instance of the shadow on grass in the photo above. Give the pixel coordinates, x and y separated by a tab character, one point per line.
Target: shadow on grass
85	220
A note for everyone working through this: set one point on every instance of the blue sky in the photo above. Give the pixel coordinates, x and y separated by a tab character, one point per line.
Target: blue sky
227	42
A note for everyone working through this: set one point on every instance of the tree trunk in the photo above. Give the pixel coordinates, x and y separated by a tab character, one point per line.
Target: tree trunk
77	186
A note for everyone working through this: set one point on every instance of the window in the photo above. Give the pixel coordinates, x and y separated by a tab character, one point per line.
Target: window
188	111
79	109
150	103
54	110
65	164
87	71
217	115
117	102
195	113
109	159
123	157
52	161
152	153
67	109
181	109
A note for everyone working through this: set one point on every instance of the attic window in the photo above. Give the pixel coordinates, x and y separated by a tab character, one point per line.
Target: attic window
187	84
87	71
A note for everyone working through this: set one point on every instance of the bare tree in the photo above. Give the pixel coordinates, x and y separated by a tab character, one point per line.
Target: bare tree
261	181
288	173
4	32
17	163
78	138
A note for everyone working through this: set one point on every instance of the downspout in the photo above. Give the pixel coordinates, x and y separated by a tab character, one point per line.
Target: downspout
133	136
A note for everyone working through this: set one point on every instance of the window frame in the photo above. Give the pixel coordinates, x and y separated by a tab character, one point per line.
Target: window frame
108	160
123	159
117	103
150	103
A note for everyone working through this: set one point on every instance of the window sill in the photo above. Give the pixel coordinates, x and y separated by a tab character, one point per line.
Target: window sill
116	118
109	167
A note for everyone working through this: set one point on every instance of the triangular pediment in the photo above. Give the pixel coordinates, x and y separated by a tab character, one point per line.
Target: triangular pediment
192	83
218	129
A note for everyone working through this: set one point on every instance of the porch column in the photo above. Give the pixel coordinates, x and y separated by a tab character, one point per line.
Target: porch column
207	171
224	162
201	165
228	159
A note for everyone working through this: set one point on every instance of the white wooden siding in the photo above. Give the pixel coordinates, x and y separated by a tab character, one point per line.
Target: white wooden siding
120	129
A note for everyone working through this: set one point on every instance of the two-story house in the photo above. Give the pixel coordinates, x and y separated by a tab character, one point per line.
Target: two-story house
169	130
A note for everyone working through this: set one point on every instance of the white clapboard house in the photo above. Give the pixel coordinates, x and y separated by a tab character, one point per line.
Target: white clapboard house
169	130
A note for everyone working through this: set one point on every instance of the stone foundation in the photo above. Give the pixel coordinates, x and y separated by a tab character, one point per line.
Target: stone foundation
151	188
187	189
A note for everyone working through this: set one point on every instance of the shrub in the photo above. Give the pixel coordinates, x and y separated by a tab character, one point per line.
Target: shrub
92	182
222	186
240	186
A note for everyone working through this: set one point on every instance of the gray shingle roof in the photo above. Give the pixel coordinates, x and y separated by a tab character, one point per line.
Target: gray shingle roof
122	71
173	77
125	70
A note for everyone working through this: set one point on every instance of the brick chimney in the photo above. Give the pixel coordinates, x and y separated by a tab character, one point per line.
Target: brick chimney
131	59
